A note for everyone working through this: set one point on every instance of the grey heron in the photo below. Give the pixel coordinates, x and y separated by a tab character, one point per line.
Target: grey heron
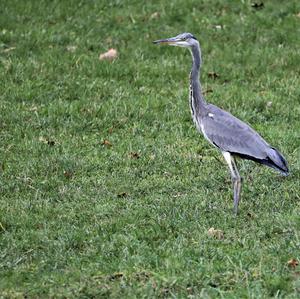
231	136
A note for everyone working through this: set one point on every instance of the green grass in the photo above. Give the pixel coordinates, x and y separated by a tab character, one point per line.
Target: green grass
80	219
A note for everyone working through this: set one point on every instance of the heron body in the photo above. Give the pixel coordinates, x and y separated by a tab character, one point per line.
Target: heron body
231	136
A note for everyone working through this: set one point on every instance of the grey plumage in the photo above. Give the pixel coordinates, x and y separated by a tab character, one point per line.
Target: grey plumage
226	132
230	134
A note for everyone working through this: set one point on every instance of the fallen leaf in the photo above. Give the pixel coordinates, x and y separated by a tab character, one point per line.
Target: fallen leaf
111	54
134	155
213	75
257	5
293	263
298	15
216	233
106	142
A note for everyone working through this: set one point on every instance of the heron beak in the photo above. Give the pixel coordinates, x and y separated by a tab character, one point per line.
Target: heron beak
168	41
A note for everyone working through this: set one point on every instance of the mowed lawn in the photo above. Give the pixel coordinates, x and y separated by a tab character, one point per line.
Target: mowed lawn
107	190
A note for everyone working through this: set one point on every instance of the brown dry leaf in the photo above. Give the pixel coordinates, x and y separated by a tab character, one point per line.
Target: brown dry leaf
106	142
111	54
293	263
213	75
216	233
298	15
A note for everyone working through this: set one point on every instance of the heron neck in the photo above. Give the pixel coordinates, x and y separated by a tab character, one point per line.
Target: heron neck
197	99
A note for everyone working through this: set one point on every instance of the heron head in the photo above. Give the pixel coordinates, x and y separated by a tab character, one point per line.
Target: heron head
186	40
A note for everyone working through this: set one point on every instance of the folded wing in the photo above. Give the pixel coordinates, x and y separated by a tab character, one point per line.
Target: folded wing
230	134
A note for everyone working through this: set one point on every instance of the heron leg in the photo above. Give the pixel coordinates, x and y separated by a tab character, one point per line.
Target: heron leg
237	187
236	179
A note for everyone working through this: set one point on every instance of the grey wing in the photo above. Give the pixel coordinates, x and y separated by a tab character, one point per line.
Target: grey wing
231	134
